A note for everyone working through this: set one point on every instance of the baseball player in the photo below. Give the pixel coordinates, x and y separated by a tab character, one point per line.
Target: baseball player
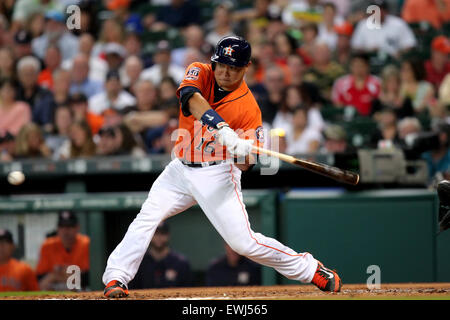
219	123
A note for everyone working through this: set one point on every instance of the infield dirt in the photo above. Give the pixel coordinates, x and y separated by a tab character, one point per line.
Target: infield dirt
287	292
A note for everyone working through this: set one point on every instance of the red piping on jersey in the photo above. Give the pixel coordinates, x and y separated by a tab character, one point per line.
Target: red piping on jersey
248	227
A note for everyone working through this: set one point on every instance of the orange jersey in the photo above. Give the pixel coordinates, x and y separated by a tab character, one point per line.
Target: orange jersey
197	142
54	254
17	276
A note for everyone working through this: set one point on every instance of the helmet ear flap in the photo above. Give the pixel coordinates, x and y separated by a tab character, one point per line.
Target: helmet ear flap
213	66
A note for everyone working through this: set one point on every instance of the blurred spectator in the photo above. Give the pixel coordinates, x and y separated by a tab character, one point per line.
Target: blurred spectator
390	96
343	49
296	68
438	65
52	61
444	96
408	126
302	139
232	269
163	66
324	71
147	114
393	38
251	78
113	97
63	121
97	66
30	143
133	67
134	47
13	114
14	274
7	64
327	32
178	14
386	135
274	85
111	31
435	12
121	10
161	266
7	147
221	24
284	45
36	25
67	248
357	89
81	83
114	55
22	44
415	87
194	38
61	86
23	9
306	95
438	160
342	7
40	99
79	105
118	140
335	140
80	143
310	33
56	33
298	13
167	91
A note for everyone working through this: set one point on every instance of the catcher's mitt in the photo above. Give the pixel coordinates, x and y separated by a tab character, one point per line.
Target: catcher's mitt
443	190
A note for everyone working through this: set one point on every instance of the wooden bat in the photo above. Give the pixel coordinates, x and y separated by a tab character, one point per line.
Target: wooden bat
337	174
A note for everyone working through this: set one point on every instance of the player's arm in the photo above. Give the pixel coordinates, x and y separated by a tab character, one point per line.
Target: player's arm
192	102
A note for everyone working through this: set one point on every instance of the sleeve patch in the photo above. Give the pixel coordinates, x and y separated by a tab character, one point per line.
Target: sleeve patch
260	134
192	73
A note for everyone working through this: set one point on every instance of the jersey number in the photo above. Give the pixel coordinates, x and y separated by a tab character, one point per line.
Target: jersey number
209	146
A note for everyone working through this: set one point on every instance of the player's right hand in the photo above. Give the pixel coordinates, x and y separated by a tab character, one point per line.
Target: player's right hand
235	145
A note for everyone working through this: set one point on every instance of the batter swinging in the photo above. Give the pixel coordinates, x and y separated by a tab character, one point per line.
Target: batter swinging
218	124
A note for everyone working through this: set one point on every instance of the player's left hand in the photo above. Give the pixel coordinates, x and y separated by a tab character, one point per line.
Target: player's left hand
235	145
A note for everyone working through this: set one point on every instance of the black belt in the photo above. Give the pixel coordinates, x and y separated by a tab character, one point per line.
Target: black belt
201	164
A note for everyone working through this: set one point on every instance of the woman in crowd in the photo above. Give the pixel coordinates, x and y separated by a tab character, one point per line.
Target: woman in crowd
30	143
415	87
390	95
302	139
13	114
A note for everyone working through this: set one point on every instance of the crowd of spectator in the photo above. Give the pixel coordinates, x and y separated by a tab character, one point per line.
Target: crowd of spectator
108	86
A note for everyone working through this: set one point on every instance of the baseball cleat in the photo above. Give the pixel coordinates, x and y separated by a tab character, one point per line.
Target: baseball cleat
115	289
326	279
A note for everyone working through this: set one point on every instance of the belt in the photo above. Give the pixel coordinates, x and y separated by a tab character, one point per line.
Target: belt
202	164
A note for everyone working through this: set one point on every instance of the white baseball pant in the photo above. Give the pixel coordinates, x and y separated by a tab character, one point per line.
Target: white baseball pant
217	190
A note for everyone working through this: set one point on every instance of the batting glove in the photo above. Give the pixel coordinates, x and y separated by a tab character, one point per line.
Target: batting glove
235	145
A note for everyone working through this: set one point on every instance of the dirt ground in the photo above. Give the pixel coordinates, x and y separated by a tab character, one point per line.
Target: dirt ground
287	292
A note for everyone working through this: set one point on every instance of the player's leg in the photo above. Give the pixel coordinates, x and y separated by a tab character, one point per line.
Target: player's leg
166	198
223	204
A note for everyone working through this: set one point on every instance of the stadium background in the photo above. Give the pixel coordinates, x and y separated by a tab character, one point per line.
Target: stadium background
389	219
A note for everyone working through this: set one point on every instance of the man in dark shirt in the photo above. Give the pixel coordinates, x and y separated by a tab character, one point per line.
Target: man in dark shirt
41	100
161	267
233	269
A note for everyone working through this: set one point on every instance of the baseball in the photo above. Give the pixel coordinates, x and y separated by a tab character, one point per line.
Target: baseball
16	177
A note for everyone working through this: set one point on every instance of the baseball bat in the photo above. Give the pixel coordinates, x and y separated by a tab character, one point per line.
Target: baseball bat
337	174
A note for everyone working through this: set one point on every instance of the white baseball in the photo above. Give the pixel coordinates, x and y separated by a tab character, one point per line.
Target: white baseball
16	177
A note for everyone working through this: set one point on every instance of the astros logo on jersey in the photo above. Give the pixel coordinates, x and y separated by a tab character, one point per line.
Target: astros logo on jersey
228	51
